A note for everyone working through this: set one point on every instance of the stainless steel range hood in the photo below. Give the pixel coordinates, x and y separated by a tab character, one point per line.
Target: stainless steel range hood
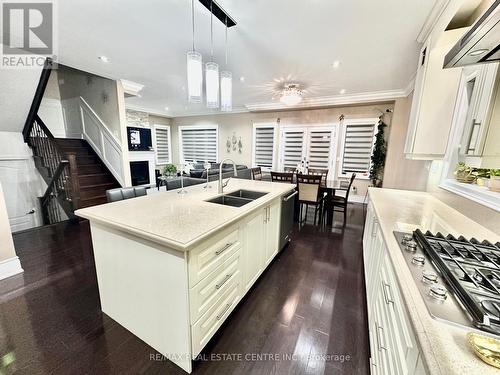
481	44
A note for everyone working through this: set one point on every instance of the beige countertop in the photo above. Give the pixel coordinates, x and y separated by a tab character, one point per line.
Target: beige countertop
180	221
443	346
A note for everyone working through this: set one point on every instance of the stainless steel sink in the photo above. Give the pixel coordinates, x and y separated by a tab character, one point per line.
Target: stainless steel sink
247	194
227	200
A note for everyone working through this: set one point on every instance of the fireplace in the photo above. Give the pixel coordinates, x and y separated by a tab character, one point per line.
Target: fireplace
139	172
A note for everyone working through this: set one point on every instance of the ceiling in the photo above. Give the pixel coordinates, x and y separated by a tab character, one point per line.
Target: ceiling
278	40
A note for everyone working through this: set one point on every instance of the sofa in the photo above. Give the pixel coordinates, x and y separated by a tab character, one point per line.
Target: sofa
199	171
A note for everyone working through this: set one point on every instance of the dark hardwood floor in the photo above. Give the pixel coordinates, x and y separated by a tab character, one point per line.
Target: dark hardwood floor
305	315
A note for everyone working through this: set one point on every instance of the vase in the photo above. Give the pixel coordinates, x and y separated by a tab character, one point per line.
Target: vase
495	183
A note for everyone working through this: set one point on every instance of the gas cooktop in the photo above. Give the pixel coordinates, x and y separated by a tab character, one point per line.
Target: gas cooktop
461	282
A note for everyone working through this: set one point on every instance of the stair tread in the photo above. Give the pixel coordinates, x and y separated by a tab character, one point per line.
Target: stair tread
94	174
97	185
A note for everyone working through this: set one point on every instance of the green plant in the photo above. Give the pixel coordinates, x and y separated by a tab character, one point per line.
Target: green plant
482	173
378	156
495	172
169	169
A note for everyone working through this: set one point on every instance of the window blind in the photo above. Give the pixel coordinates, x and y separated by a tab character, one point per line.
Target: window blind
264	147
358	145
199	144
162	146
319	149
292	148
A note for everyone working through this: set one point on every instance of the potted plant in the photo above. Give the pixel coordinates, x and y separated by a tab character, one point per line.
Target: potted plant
482	176
495	180
464	173
169	170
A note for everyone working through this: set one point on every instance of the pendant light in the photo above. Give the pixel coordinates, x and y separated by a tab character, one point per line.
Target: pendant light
226	87
212	71
194	70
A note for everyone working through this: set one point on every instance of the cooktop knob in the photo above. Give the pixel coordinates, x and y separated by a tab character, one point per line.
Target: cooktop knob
429	277
438	292
411	246
418	260
407	238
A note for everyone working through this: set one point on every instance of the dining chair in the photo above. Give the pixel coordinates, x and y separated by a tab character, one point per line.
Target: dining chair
341	202
257	173
310	193
322	172
281	177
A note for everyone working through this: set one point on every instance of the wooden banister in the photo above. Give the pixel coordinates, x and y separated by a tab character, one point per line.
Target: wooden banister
50	187
37	99
75	182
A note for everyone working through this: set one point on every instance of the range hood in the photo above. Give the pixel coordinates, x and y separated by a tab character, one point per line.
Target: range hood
481	44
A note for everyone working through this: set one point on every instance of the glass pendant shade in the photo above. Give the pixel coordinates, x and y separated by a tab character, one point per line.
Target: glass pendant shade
194	76
226	91
212	84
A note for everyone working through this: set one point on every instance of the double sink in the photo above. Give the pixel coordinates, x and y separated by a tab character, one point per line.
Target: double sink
237	198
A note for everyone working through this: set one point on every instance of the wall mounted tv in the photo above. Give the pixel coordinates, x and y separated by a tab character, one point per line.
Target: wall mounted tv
139	139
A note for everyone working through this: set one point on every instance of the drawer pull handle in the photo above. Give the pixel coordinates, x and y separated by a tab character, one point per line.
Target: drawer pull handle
219	317
218	286
220	251
379	341
374	228
291	196
387	291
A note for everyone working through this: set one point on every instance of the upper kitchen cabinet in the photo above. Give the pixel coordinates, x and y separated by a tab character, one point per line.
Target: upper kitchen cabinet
434	98
480	143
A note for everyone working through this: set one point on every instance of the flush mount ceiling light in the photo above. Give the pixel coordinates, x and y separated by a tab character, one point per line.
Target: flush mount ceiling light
291	94
104	59
194	69
478	52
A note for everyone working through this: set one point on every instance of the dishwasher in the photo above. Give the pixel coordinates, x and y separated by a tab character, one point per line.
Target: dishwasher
287	211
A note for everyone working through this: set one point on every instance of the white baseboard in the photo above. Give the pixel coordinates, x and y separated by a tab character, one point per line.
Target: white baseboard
10	267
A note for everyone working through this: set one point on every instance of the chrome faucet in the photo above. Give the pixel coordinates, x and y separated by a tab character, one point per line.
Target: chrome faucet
223	185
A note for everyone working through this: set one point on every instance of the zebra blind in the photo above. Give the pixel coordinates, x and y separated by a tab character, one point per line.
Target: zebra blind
292	148
319	149
264	147
358	145
162	144
199	144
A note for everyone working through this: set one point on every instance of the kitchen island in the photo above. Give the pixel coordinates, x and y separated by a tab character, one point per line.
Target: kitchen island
171	267
404	337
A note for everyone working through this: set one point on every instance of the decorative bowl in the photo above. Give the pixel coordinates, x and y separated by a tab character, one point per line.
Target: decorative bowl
486	348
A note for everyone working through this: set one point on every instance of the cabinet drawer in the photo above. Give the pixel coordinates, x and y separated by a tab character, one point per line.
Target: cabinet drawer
203	330
207	257
206	293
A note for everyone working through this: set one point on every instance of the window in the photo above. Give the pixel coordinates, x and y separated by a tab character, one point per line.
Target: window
161	140
263	146
357	147
314	145
198	143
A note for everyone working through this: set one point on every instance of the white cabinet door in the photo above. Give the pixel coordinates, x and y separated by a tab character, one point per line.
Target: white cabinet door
434	100
253	248
272	229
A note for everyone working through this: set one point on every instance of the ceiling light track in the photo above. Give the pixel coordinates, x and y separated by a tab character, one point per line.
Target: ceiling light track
218	12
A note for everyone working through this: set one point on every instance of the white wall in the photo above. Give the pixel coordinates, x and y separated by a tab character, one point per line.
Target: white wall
17	89
22	184
9	262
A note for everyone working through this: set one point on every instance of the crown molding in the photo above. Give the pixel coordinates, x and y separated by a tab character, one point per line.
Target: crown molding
211	113
432	19
131	88
153	112
333	101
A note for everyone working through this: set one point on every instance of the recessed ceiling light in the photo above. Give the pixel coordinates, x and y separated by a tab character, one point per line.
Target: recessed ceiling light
166	108
478	52
335	64
104	59
242	79
342	91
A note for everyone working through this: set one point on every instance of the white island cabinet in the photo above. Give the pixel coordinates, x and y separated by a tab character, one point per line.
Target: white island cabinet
393	347
171	268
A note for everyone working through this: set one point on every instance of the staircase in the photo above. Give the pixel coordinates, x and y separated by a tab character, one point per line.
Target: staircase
94	178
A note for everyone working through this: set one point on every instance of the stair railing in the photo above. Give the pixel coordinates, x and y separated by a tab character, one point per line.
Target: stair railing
62	172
